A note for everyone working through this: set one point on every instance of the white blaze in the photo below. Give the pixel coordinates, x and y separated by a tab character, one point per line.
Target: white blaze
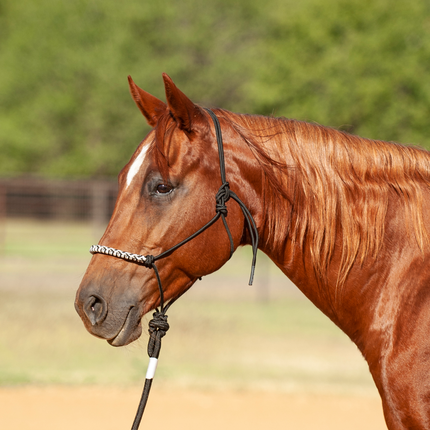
137	163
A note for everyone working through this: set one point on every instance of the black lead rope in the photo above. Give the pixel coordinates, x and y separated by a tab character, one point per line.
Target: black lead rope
158	325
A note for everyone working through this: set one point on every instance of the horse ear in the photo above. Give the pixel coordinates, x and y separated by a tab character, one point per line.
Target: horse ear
151	107
185	112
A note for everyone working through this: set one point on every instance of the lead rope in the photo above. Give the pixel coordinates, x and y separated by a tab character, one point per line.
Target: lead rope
158	325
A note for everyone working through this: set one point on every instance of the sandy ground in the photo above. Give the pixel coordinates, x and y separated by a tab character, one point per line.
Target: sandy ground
110	408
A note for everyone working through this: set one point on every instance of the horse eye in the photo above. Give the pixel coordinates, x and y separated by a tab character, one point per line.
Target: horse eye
163	189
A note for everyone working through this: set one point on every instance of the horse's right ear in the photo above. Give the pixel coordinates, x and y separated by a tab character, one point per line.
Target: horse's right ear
186	114
151	107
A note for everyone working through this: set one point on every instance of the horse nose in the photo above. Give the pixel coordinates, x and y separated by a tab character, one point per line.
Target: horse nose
95	308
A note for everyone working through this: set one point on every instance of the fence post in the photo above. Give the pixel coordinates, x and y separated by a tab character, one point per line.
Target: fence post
2	219
100	207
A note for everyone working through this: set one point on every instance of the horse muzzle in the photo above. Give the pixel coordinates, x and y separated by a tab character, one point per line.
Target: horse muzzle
119	324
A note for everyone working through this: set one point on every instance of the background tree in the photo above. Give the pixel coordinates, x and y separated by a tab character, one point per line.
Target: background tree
65	110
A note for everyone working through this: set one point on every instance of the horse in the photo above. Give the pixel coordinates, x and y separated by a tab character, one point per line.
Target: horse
342	216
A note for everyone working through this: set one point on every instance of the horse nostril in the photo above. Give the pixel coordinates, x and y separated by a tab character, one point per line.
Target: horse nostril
96	309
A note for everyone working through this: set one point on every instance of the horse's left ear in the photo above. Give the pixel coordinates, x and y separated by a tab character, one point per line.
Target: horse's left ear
151	107
186	113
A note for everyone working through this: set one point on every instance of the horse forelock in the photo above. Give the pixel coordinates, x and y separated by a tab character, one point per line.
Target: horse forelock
162	140
323	183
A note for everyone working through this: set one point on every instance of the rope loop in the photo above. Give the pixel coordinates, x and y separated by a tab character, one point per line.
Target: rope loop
158	327
158	323
222	196
149	261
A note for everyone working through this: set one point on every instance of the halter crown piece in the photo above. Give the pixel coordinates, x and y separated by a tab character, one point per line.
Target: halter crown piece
158	326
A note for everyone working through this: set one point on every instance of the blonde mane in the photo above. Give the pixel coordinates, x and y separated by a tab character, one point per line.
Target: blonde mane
325	185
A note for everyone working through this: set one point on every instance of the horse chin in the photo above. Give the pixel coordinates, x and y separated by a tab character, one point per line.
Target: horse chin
130	330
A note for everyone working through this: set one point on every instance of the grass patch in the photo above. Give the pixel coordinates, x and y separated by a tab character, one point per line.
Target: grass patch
221	335
44	239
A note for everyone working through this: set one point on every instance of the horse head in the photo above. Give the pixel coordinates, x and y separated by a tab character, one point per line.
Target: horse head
166	192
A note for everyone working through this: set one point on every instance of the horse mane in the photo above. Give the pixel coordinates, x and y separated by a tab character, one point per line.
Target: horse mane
325	186
337	187
161	143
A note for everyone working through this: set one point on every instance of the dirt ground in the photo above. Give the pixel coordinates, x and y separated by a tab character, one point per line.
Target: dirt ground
45	345
109	408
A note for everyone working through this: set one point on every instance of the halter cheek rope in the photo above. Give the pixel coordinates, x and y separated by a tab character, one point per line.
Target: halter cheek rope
158	326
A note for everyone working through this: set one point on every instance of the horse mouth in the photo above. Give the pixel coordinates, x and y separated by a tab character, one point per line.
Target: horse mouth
129	331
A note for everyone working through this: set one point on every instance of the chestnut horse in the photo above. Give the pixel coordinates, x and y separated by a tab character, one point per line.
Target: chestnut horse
341	216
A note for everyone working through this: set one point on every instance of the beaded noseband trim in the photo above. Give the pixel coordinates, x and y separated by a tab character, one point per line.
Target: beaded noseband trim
136	258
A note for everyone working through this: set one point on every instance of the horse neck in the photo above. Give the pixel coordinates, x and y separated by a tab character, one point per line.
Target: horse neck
328	202
275	201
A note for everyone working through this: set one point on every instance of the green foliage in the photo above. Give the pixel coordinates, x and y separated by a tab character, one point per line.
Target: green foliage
359	65
64	105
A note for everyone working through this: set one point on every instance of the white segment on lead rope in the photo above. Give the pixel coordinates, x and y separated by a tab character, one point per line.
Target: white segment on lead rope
152	366
138	161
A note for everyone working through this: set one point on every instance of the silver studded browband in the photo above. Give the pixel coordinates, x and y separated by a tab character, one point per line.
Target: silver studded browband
100	249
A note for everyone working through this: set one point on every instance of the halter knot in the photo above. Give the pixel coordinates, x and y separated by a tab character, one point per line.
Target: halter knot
158	327
222	196
149	261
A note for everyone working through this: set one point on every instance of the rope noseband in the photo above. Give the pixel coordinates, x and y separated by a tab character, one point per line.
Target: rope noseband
158	326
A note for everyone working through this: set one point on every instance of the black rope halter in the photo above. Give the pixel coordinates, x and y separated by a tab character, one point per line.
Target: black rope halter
158	326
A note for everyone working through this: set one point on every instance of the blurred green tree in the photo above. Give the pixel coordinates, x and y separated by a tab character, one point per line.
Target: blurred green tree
359	65
64	103
65	110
